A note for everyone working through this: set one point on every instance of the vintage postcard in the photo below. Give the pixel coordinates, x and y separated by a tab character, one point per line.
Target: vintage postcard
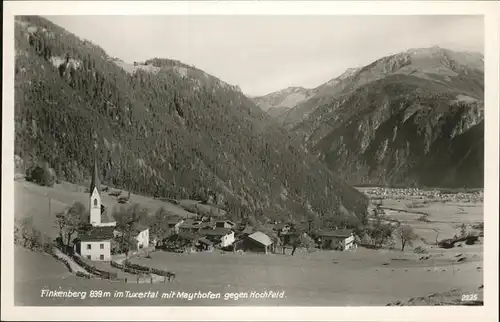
250	160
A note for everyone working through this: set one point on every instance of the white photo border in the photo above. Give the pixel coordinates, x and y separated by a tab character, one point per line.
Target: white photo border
490	10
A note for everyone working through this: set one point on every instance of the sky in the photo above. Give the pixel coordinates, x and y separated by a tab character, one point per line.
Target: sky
263	54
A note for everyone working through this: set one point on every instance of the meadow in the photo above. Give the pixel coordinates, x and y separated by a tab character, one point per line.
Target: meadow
320	278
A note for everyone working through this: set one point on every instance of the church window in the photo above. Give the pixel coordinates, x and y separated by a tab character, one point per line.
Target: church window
95	202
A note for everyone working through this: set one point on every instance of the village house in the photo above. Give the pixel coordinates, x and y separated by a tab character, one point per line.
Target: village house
190	226
207	225
220	236
141	234
282	227
94	243
283	230
340	239
203	244
224	224
256	242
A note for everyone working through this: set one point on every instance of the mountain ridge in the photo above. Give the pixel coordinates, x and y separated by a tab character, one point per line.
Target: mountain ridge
343	122
335	86
403	109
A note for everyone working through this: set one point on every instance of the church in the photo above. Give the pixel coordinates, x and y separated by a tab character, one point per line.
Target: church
95	243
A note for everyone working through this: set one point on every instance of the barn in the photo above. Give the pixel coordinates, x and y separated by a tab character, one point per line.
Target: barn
257	242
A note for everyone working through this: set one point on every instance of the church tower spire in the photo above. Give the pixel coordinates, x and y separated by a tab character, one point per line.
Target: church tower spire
95	182
95	196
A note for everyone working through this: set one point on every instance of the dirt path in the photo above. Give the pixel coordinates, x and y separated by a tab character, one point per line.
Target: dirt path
74	267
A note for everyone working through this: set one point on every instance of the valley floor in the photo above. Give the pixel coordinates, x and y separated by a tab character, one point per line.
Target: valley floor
321	278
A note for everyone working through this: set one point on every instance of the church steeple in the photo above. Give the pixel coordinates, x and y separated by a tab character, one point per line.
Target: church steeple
95	205
95	182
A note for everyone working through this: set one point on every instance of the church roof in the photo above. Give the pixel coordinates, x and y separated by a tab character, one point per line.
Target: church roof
135	229
138	228
95	183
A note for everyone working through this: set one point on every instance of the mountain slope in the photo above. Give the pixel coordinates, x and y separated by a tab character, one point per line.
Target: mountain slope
317	96
278	103
411	118
161	127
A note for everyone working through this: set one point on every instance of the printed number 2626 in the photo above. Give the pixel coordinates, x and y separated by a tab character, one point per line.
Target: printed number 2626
469	297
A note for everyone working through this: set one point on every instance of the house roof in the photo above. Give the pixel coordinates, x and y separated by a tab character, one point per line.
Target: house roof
190	225
340	233
218	231
96	234
205	241
206	226
261	238
95	183
225	221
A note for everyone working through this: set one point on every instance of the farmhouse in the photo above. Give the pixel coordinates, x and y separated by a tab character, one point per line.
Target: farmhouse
281	228
141	234
224	224
190	226
340	239
204	244
95	243
256	242
223	237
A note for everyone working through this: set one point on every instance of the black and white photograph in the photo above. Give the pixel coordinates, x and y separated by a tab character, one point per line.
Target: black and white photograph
258	160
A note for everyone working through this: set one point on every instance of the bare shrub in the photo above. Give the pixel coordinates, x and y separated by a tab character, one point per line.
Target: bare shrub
406	235
463	230
420	250
28	236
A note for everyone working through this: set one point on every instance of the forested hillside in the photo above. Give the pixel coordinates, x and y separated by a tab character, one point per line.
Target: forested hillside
162	127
